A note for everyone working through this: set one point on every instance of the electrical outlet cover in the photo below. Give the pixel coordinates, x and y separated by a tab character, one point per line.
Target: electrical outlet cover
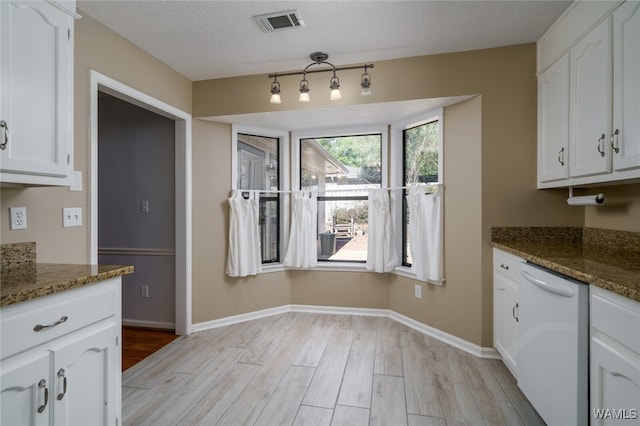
18	218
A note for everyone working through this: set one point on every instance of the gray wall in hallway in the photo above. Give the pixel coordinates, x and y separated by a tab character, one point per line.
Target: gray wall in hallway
136	163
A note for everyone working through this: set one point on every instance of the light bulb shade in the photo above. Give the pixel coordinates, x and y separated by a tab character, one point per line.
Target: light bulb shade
365	83
334	84
275	92
304	91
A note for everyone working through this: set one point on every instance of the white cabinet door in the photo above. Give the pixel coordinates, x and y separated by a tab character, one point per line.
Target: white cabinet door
625	139
85	377
591	103
553	122
506	323
25	394
615	385
36	73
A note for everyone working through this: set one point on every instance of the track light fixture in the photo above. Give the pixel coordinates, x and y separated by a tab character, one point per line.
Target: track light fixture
320	58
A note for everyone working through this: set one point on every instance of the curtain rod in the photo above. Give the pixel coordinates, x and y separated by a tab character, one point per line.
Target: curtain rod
394	188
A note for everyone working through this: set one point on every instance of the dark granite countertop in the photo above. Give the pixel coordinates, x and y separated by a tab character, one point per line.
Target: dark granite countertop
21	278
607	259
30	281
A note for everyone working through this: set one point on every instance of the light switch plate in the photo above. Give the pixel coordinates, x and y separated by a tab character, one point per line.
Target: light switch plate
71	216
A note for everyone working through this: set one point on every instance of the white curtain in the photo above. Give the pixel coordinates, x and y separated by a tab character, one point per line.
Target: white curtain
381	248
302	251
425	233
244	235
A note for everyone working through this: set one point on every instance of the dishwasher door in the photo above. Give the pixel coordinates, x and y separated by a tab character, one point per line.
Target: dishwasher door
553	345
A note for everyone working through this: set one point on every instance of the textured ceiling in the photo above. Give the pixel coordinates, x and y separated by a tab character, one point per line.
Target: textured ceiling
214	39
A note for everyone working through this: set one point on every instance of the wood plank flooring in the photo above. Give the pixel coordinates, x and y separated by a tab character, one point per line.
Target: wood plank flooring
320	369
139	343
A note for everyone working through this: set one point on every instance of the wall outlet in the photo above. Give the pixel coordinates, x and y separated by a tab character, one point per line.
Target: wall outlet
71	216
144	291
144	206
418	291
18	218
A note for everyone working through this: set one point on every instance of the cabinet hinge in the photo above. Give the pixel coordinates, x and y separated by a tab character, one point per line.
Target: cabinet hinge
68	158
117	341
68	33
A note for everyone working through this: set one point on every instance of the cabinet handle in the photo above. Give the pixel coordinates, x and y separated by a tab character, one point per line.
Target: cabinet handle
39	327
561	156
503	266
615	141
43	384
61	374
514	312
5	135
601	145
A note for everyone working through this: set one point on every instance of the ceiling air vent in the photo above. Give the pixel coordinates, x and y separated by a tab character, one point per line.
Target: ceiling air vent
280	20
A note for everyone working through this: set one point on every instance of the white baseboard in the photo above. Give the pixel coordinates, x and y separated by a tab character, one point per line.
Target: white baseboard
235	319
149	324
471	348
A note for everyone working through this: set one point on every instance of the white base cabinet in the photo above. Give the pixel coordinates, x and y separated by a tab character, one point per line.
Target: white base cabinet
68	372
506	273
615	359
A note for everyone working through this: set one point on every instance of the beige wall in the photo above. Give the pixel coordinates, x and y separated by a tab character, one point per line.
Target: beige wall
98	48
215	295
621	210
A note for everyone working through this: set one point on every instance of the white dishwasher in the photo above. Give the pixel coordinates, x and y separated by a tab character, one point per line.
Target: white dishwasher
553	349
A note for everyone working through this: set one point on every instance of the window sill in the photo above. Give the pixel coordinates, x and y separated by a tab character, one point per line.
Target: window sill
405	271
402	271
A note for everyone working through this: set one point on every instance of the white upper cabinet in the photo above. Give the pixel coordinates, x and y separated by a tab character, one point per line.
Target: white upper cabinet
553	122
625	139
596	45
36	110
591	103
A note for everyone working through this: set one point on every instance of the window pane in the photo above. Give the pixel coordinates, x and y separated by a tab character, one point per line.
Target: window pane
420	165
258	169
349	164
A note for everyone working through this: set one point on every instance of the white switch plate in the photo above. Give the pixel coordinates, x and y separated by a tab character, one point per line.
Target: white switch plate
71	216
418	291
18	217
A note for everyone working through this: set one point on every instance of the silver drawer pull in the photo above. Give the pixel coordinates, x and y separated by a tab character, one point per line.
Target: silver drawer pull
61	374
39	327
43	384
601	145
505	267
615	141
5	135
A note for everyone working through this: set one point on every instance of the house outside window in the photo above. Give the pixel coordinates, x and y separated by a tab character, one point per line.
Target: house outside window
341	168
258	169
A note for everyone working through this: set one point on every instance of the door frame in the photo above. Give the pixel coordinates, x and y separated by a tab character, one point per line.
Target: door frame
183	185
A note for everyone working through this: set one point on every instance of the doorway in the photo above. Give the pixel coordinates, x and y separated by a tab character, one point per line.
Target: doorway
136	208
181	305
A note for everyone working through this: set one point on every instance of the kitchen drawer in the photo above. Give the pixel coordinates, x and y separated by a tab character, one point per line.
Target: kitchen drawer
81	307
616	316
507	264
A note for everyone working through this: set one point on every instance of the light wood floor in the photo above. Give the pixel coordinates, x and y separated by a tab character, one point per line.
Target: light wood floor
314	369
